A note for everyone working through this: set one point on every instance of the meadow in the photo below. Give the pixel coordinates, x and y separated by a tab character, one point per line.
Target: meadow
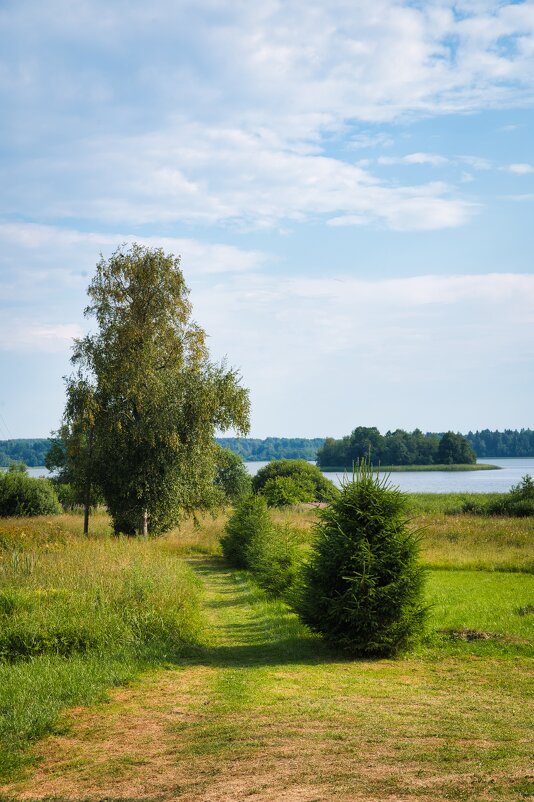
225	695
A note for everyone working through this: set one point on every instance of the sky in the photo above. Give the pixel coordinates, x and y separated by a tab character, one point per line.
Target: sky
349	184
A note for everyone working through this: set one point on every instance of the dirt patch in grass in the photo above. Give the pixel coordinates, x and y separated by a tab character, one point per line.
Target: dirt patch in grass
121	748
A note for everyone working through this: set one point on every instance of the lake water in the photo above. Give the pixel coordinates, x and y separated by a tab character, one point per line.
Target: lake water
512	470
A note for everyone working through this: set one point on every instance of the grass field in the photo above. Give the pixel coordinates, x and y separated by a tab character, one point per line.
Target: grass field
263	710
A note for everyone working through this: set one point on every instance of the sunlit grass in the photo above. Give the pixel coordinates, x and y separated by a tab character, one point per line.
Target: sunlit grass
120	593
480	604
80	614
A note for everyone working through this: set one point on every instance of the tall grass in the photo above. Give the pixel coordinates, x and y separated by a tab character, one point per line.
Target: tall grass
450	540
77	615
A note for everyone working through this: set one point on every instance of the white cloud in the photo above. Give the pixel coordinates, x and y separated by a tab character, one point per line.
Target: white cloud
432	159
519	169
69	249
252	180
351	61
221	116
29	336
349	344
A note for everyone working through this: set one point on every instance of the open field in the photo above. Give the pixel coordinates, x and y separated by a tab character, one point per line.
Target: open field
261	709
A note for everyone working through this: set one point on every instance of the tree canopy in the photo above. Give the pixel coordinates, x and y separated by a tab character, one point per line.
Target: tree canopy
146	396
395	448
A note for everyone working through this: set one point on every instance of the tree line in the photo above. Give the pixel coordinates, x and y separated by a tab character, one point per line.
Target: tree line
510	443
395	448
485	443
252	449
31	451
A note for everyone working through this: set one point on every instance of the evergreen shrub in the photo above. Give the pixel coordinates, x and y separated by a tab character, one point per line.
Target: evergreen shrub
274	557
362	588
249	521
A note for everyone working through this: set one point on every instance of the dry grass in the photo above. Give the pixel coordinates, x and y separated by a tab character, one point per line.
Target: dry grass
474	542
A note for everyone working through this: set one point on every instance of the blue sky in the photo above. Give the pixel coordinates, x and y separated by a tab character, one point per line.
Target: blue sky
350	186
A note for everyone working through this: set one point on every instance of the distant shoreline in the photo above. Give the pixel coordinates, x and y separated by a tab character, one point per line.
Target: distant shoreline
415	468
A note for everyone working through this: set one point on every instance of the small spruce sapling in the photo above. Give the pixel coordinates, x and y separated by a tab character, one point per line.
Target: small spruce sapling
362	589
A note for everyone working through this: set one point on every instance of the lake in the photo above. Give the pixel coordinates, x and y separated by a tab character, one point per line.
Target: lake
512	470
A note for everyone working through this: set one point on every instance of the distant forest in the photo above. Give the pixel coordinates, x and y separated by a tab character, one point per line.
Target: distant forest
510	443
486	443
415	448
395	448
31	452
254	450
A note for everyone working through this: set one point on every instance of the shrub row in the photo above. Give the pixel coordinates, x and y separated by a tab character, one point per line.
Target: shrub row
361	586
272	552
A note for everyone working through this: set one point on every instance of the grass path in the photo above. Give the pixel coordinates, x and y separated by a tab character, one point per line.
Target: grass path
265	712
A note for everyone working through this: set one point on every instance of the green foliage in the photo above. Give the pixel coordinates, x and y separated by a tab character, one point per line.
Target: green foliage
24	495
284	491
275	558
250	520
17	467
31	451
145	400
395	448
271	552
362	588
510	443
70	456
517	503
253	449
455	450
307	482
232	477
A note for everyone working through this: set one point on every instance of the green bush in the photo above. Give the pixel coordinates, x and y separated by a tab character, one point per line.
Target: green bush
284	491
271	552
24	495
307	481
250	520
362	588
66	493
517	503
274	557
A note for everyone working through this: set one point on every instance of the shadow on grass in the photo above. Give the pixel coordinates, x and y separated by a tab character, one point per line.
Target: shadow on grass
262	641
218	604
